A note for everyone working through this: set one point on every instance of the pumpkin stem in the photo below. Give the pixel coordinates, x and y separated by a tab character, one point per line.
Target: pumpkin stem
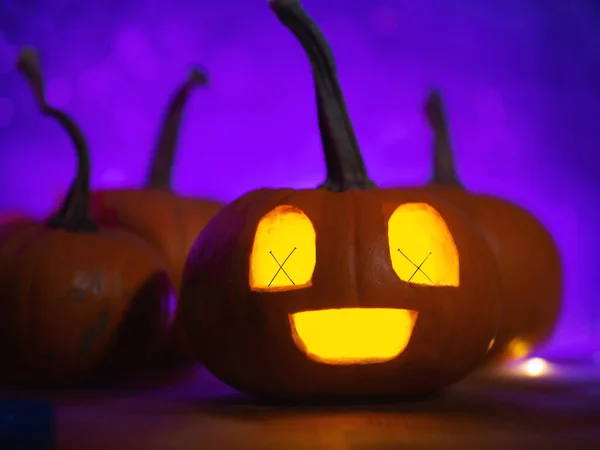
161	167
444	171
345	166
74	213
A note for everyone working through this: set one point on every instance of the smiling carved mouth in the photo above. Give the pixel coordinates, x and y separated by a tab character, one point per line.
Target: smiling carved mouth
353	335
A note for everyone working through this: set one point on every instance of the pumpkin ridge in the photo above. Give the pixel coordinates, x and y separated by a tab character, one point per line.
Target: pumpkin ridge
355	241
182	224
25	316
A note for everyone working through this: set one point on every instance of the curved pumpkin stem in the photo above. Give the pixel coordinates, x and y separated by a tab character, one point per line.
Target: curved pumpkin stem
444	169
345	166
161	167
74	213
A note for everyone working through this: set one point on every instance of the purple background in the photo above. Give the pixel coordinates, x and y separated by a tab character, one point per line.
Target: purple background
520	78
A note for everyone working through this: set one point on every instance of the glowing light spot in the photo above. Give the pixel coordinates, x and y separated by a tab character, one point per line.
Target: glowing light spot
284	253
536	367
518	348
353	335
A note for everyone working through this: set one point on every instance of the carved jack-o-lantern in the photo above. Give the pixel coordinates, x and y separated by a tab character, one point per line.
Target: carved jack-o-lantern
346	290
284	257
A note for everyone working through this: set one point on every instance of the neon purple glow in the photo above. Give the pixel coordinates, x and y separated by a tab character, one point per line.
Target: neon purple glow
518	78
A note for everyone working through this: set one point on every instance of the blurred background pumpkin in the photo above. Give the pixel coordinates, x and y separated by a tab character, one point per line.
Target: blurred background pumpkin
168	221
526	255
78	301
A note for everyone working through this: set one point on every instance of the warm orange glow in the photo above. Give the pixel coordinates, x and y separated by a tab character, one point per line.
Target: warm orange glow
418	236
518	348
284	253
353	335
491	344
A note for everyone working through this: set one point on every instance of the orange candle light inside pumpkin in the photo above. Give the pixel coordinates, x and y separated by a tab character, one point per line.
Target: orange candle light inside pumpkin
353	335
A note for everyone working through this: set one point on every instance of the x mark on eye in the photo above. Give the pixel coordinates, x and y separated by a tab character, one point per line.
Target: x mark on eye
281	269
418	267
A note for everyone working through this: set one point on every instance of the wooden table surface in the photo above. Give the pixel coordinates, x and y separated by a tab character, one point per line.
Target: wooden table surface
191	410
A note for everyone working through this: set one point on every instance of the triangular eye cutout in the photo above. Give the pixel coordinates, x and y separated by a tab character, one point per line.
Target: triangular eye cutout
422	249
284	253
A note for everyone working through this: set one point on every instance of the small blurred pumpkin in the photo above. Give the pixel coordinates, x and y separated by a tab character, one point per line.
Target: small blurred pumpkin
77	301
168	221
527	257
342	291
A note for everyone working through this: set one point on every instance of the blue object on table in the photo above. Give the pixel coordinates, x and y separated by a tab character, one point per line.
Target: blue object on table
26	425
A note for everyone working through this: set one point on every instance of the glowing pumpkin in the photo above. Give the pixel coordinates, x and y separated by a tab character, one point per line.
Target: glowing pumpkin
341	291
526	254
168	221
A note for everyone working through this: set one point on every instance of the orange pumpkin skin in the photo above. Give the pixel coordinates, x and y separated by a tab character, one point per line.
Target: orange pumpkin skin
166	220
77	301
527	256
246	332
170	223
11	222
244	337
58	327
529	265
